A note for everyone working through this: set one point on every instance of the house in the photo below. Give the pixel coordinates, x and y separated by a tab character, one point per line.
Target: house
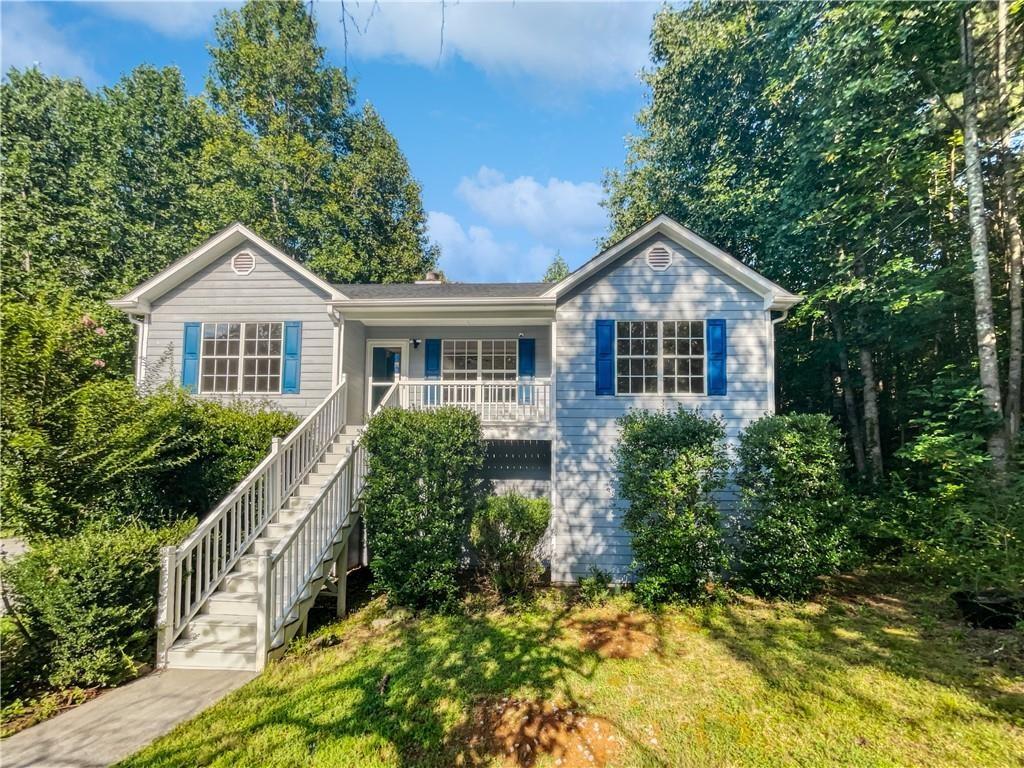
660	318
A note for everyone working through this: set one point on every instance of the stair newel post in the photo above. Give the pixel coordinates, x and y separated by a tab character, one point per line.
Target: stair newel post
264	610
165	604
275	473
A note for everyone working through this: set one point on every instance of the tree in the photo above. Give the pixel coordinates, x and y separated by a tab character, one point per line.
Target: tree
557	270
288	156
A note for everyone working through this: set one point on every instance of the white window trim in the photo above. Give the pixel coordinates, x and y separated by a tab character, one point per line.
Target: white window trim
241	358
480	357
661	359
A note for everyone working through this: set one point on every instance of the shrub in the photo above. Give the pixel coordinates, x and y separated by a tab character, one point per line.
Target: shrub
670	464
88	602
505	533
595	587
793	502
420	491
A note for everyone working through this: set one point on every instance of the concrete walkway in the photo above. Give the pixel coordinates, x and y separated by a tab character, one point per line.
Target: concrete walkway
119	722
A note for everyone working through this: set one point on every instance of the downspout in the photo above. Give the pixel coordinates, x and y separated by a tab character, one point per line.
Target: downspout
771	385
140	349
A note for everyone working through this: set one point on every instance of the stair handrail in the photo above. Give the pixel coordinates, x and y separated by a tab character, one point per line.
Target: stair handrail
192	571
284	574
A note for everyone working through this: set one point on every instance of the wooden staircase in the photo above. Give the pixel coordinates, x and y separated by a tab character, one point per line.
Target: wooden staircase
241	585
223	635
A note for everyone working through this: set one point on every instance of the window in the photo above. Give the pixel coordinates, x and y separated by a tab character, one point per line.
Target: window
487	359
682	350
636	347
664	357
243	358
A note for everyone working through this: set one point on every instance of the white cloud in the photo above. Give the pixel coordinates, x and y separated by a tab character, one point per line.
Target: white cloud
589	44
562	212
475	254
30	39
171	19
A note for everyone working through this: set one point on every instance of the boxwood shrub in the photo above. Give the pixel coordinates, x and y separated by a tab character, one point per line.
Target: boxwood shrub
669	464
422	487
794	503
505	533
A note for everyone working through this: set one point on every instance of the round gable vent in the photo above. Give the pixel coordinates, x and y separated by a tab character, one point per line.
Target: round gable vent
243	263
659	257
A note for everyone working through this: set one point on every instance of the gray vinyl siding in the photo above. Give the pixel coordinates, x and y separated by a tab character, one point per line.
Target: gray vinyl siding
270	293
588	513
352	365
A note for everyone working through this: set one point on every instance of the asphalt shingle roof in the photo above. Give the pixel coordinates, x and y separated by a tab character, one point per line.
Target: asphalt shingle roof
443	290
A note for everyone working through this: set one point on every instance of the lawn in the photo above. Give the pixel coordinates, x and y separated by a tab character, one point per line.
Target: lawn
877	672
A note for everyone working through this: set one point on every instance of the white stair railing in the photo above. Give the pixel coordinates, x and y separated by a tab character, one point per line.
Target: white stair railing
284	574
193	570
518	401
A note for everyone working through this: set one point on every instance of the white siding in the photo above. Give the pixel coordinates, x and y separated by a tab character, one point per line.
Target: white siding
270	293
587	518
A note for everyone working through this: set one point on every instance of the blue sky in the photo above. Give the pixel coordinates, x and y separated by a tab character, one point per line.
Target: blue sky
509	128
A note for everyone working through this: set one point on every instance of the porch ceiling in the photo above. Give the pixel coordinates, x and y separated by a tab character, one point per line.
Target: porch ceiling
466	314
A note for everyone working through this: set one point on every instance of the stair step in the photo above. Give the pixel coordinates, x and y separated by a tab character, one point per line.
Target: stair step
237	582
232	629
231	604
211	654
277	531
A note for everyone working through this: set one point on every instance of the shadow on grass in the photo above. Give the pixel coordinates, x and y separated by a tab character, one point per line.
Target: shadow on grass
811	651
404	691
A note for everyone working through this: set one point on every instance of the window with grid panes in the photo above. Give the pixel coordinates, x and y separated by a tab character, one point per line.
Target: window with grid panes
682	356
636	357
241	358
487	359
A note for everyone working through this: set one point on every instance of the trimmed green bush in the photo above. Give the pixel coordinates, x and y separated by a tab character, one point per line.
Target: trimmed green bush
88	603
670	463
793	503
421	489
595	587
505	533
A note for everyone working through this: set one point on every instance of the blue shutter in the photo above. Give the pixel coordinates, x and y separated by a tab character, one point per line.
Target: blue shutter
527	368
527	357
432	359
604	362
292	357
716	352
190	356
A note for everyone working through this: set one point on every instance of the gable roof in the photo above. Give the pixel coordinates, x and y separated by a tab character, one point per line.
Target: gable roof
375	291
775	296
140	298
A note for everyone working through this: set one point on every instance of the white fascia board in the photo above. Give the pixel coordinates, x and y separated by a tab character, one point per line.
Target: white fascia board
694	243
206	254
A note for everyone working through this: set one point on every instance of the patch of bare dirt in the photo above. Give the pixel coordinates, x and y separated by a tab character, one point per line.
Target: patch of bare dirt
623	637
521	731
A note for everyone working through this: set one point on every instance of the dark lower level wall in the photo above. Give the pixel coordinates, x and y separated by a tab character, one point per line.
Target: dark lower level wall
523	466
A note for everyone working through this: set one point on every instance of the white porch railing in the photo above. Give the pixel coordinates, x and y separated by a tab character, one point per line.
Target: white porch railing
522	401
194	569
284	574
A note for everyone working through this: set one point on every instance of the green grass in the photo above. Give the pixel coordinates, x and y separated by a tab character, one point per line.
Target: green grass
876	673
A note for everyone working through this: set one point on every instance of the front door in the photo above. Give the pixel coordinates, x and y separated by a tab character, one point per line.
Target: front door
386	363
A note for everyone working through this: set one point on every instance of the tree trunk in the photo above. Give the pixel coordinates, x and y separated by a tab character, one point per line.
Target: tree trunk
872	429
1014	249
988	358
856	438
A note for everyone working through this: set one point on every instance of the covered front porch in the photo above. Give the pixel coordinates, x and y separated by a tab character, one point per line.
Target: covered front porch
499	370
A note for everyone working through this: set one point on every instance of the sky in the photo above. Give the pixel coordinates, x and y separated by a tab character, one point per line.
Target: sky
509	126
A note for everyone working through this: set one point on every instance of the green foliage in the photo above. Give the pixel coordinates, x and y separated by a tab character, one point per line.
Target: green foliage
81	444
88	603
420	492
794	504
557	270
505	533
670	464
595	587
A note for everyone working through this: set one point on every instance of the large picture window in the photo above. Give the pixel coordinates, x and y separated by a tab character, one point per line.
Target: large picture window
659	357
241	358
471	359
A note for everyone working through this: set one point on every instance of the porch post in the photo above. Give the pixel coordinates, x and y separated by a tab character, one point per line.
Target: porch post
341	575
166	603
